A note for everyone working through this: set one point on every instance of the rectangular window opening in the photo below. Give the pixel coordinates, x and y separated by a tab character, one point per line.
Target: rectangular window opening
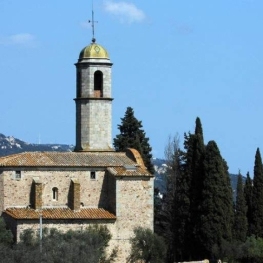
18	175
93	175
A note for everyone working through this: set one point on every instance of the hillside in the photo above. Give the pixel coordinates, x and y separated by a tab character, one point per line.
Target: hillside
10	145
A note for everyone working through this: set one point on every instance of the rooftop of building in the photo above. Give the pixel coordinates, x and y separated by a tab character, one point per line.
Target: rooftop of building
127	163
59	213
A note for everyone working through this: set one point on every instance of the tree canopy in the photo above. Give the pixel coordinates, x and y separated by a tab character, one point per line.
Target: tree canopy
132	135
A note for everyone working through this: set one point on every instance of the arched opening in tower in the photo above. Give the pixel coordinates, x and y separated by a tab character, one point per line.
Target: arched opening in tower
98	84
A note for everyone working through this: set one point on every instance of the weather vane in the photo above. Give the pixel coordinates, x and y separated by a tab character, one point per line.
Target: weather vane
93	25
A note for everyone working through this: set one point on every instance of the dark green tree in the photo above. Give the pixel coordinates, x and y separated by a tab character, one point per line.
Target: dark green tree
216	211
6	237
257	197
248	192
240	223
132	135
146	247
171	218
195	165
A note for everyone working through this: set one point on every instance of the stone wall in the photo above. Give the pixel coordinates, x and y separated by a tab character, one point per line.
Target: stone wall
134	208
18	193
93	116
131	199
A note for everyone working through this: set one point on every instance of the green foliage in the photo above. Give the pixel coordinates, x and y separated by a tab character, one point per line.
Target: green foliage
133	136
249	251
6	237
195	164
240	224
146	247
248	193
257	197
87	246
216	208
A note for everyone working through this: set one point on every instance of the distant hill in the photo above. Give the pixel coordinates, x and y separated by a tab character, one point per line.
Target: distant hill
160	171
10	145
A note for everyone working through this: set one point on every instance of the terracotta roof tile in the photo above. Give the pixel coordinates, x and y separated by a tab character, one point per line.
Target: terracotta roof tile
60	213
66	159
129	171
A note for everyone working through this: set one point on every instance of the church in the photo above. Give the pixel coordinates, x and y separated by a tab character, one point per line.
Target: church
91	185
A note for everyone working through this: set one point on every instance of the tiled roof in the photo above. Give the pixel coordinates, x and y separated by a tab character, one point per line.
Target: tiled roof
66	159
129	171
60	213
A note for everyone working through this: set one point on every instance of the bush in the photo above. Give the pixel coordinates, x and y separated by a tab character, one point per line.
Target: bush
146	247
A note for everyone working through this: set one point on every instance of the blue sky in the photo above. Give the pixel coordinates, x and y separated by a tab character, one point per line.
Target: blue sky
173	61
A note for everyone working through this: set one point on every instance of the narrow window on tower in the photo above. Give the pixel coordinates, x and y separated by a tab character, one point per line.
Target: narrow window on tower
98	84
55	193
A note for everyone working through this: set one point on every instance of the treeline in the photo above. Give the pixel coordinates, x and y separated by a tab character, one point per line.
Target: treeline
197	215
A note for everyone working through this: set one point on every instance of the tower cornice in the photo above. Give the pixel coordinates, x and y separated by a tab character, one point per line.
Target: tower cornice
93	98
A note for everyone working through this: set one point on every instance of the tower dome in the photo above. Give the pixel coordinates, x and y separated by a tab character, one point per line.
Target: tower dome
93	50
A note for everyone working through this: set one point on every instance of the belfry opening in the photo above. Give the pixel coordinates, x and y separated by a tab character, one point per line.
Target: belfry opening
98	84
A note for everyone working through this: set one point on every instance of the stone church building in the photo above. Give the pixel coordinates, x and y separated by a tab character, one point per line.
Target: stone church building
91	185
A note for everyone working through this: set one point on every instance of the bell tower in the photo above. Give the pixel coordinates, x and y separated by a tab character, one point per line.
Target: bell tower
93	99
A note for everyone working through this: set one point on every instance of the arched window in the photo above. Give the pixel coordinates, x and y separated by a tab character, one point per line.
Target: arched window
98	84
55	193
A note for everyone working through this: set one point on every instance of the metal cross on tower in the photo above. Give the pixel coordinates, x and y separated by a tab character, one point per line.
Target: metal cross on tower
93	25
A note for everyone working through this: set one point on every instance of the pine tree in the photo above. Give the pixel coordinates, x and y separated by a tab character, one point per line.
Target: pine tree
133	136
216	208
240	223
257	197
248	192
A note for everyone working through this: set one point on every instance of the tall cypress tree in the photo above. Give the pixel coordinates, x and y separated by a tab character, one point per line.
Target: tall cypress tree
240	223
257	197
216	207
196	186
248	193
133	136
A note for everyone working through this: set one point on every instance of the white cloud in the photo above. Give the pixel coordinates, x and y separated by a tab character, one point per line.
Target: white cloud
23	39
126	12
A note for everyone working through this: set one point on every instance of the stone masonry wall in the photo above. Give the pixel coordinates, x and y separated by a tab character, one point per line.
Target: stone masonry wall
2	197
93	117
87	80
131	198
134	208
17	192
94	124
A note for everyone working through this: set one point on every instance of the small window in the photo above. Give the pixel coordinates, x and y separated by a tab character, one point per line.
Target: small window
17	175
93	175
55	193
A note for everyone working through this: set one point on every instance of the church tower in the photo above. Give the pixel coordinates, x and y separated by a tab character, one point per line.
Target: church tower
93	100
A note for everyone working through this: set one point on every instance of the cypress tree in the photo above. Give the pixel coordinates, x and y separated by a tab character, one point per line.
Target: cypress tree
196	186
133	136
240	223
257	197
182	215
248	192
216	208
